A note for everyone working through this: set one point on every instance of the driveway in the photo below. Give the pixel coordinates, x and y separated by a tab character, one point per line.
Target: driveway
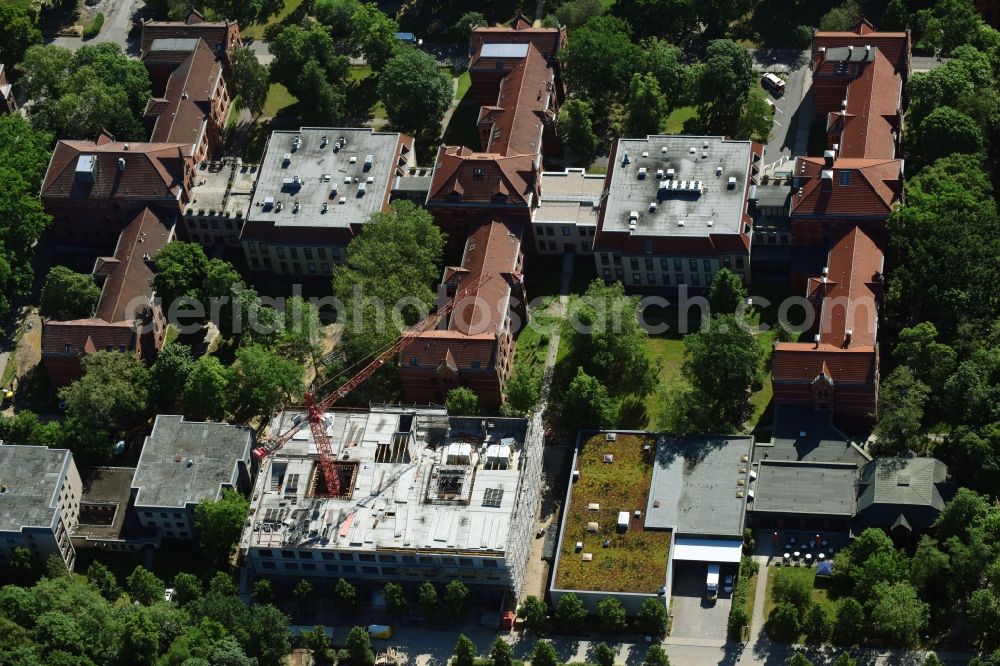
793	111
693	616
117	24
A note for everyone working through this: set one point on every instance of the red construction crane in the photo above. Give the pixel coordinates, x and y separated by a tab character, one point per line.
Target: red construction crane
316	409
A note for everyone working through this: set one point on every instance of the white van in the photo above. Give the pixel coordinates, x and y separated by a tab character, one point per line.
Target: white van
712	583
774	84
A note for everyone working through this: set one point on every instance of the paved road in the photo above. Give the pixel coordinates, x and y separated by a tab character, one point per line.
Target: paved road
793	111
926	63
117	23
260	49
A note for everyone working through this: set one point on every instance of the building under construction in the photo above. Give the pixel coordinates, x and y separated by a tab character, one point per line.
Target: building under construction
418	495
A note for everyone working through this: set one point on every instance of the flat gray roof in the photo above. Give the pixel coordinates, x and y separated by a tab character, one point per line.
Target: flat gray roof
828	489
185	462
323	167
799	433
696	487
570	197
696	200
30	477
174	44
105	500
504	50
223	188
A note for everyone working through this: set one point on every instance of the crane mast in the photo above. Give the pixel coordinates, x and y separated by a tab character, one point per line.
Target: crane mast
317	408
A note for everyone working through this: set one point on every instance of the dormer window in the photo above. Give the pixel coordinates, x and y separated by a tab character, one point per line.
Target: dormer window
68	349
476	364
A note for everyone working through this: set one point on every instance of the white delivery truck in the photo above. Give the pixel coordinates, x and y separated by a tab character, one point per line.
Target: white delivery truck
712	583
774	84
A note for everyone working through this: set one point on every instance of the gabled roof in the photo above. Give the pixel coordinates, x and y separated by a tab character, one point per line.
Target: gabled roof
189	97
547	40
85	335
129	284
873	104
850	291
519	114
869	188
901	491
482	177
491	249
215	33
895	45
153	171
802	362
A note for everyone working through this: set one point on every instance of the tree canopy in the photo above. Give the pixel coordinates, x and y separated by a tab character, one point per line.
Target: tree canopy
219	523
67	294
415	91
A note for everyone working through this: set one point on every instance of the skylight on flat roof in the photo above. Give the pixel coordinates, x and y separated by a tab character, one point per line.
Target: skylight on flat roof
504	50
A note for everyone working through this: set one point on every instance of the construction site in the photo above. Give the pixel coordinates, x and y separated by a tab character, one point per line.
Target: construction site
397	494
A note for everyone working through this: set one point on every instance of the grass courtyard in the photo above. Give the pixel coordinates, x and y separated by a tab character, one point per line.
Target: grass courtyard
635	560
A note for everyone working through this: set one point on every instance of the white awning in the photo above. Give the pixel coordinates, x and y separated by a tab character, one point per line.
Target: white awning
707	550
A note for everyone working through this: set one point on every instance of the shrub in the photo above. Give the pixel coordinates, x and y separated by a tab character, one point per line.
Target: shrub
94	27
738	616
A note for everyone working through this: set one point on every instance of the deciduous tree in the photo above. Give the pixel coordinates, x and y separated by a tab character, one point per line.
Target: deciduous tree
462	401
261	381
465	652
251	80
901	403
647	107
576	129
415	92
534	612
143	586
220	522
67	294
652	617
205	389
611	614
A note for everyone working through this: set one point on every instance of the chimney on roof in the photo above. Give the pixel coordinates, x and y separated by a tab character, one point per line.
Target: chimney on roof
121	163
126	146
816	341
828	157
847	337
868	50
850	49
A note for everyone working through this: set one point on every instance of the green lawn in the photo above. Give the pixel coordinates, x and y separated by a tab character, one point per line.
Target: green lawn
597	168
278	98
364	80
820	594
675	121
256	31
463	85
669	352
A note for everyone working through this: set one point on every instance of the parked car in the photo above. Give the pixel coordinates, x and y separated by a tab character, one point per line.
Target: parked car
727	585
168	594
773	83
712	583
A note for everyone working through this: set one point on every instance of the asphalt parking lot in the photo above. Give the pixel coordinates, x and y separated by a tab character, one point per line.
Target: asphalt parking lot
793	111
693	616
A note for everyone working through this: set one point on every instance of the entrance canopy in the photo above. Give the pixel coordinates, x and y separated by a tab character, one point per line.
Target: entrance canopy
707	550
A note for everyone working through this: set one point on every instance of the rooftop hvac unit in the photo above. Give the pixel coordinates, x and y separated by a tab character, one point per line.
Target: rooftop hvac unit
663	150
645	153
704	156
594	506
354	159
368	162
347	180
680	223
642	173
611	437
652	207
608	457
587	557
826	174
711	223
704	144
625	159
325	207
371	179
731	184
296	207
633	216
659	174
718	171
592	526
343	200
670	174
286	159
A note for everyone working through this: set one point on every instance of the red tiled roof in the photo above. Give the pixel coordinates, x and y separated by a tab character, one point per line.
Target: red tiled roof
874	186
153	171
547	40
801	362
129	283
849	300
895	45
491	249
481	176
85	335
873	100
450	349
215	33
519	114
189	97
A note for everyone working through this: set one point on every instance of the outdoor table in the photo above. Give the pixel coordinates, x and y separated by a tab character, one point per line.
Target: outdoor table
821	556
809	557
787	556
796	554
